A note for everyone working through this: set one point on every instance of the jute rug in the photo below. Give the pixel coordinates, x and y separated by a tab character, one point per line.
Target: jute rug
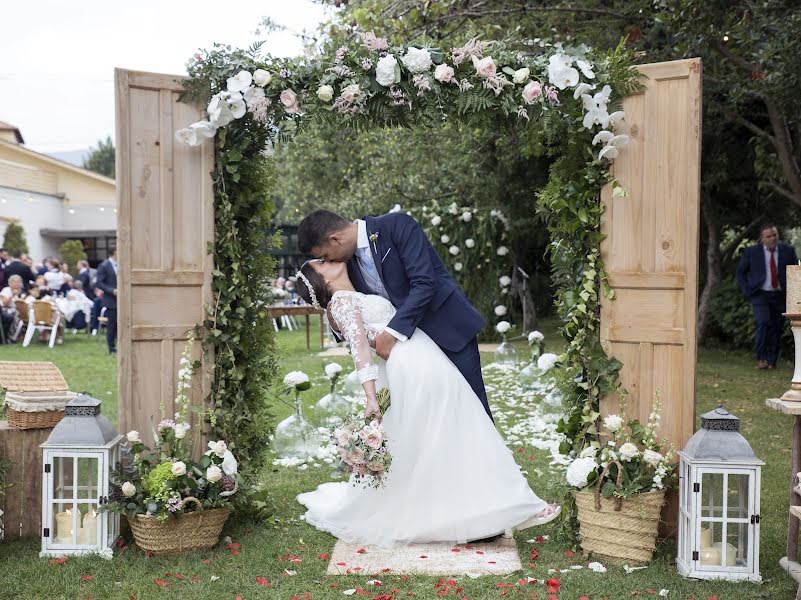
496	558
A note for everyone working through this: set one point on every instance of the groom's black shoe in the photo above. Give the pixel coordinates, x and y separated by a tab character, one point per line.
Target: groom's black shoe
487	540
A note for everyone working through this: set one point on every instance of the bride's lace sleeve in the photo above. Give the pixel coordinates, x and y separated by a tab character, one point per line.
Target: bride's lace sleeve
347	313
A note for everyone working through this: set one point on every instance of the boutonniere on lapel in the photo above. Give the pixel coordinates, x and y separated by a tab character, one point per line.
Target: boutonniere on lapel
374	239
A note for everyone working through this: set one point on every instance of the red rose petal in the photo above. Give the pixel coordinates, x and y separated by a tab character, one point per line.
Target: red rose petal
262	581
583	598
232	545
161	583
179	576
386	570
468	547
235	552
540	540
357	568
479	552
86	578
423	556
340	564
569	553
58	561
205	561
492	562
361	551
323	556
520	451
455	550
451	582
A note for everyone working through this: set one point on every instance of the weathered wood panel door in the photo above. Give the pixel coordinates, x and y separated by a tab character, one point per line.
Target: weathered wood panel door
651	249
165	223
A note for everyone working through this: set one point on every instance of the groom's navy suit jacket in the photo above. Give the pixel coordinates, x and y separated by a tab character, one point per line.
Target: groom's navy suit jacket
417	283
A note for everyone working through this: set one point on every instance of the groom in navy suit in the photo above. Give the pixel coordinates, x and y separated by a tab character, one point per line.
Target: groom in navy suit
762	277
391	256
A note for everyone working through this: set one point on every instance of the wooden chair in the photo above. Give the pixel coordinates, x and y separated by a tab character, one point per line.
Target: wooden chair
25	316
102	321
45	316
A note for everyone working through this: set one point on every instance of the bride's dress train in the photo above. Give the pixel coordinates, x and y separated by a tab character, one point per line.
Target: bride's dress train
452	477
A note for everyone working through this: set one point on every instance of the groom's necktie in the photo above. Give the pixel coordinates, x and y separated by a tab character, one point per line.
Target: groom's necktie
370	272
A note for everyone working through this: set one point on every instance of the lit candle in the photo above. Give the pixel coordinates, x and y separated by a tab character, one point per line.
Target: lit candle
706	537
87	535
64	527
710	555
794	289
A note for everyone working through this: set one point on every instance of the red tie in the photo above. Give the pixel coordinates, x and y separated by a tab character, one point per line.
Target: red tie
774	272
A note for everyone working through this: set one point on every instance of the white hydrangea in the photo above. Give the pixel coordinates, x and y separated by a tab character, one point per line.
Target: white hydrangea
500	310
332	370
445	238
436	220
628	451
387	70
467	216
505	281
133	436
417	60
535	337
470	243
613	422
454	250
181	429
589	452
295	378
579	470
128	489
651	457
547	361
503	326
502	250
458	266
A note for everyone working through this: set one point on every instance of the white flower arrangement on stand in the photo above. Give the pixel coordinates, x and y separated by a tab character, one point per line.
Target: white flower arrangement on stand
333	404
505	353
295	436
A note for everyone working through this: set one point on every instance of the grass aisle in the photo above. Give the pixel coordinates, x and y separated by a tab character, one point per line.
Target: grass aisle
286	558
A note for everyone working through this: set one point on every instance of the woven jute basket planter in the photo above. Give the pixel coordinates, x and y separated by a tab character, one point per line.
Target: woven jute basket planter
198	530
619	530
33	420
29	381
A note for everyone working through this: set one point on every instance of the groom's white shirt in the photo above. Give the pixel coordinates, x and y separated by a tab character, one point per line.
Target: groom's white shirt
364	255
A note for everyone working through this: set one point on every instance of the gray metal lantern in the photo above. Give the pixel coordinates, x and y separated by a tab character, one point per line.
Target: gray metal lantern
719	484
78	457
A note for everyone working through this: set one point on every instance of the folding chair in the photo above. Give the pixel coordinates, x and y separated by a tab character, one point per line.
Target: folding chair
45	316
102	321
25	316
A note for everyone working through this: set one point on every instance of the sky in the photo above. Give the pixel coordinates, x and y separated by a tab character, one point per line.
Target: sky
57	57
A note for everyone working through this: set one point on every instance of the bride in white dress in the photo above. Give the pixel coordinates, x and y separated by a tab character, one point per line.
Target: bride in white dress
452	479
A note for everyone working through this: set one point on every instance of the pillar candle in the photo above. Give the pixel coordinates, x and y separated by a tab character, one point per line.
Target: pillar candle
706	537
794	289
63	527
710	556
87	535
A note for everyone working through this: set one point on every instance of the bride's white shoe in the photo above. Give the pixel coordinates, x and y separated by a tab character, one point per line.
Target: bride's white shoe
548	514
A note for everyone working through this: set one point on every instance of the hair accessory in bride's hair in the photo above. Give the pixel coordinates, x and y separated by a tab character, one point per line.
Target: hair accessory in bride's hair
309	286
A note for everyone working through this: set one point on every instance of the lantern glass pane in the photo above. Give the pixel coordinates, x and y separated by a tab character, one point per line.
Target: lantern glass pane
63	478
87	477
737	545
711	538
738	496
64	523
712	495
88	524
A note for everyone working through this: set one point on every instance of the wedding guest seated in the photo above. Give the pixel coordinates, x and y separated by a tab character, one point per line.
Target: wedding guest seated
13	290
97	307
55	277
9	316
68	278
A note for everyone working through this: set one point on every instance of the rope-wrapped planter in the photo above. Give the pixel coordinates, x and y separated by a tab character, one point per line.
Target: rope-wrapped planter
36	394
199	530
619	530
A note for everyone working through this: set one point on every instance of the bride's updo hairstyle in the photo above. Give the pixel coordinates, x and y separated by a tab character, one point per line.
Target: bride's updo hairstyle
318	283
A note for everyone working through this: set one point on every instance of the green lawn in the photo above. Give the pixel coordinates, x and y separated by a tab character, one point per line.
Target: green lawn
722	375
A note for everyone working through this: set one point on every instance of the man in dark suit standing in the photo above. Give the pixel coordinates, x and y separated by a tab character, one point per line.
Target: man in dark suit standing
762	277
16	267
85	275
107	281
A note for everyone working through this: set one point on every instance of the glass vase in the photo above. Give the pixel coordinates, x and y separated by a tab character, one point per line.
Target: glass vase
505	353
295	437
334	406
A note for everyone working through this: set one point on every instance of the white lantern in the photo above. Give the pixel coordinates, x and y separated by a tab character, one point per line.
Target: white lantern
719	483
78	457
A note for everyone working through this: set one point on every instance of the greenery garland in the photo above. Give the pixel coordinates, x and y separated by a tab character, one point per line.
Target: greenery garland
279	94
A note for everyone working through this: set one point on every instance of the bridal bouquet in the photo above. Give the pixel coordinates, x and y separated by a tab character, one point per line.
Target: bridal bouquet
362	446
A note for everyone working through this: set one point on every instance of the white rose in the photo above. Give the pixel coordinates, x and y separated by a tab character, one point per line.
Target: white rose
652	458
229	464
613	422
332	370
436	220
470	243
179	468
500	310
453	208
521	75
133	436
484	67
547	361
325	93
239	82
454	250
213	474
579	470
443	73
458	266
532	91
503	326
218	448
252	94
444	239
467	216
128	489
589	452
262	77
535	337
181	429
387	71
417	60
505	281
503	250
628	451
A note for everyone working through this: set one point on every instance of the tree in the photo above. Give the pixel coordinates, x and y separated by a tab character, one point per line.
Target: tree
101	159
15	239
71	252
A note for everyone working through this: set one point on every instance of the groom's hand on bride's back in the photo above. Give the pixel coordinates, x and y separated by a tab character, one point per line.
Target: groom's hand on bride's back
384	343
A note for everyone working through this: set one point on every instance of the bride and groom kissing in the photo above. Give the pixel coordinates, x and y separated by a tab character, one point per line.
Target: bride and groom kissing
453	479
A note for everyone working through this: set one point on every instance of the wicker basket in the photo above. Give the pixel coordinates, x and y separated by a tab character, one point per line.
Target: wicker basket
620	530
198	530
28	381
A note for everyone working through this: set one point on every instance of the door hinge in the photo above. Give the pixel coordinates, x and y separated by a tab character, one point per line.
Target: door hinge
696	487
47	532
755	519
47	467
695	555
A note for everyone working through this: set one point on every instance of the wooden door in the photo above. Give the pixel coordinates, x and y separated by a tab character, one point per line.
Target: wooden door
651	248
165	223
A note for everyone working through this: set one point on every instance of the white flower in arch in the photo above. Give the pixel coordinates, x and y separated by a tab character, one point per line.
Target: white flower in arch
603	137
239	82
417	60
